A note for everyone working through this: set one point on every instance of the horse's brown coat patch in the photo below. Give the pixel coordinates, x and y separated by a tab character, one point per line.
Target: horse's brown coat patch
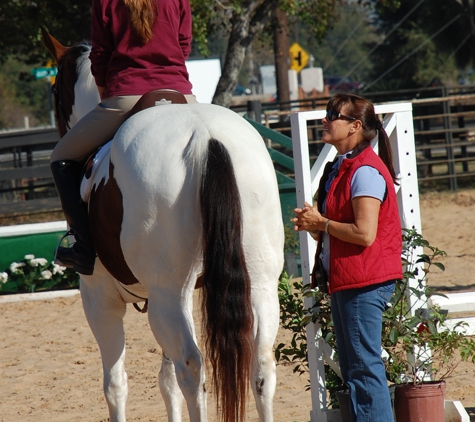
105	217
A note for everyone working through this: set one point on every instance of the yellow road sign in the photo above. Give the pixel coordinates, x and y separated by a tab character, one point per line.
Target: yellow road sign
51	64
298	57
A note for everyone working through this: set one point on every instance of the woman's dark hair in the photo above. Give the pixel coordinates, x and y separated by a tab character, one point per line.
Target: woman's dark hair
362	109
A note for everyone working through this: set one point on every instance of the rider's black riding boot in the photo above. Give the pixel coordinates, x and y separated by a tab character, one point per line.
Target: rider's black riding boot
81	255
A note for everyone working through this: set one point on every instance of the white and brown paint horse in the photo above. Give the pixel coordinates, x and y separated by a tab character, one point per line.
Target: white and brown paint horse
185	192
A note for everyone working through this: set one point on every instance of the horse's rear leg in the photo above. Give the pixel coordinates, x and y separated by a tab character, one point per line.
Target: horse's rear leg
170	390
105	311
171	321
263	373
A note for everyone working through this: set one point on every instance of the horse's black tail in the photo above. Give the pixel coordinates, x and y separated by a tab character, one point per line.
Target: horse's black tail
228	318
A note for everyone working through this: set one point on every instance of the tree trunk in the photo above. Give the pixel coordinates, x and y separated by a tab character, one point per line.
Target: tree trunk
235	54
245	25
281	53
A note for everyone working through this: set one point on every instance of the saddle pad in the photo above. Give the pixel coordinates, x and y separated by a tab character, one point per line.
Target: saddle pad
93	165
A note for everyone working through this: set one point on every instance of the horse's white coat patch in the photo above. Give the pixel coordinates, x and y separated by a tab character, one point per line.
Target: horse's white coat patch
100	171
86	94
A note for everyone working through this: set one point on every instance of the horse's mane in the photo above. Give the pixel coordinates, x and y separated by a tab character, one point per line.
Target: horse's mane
83	49
76	54
70	65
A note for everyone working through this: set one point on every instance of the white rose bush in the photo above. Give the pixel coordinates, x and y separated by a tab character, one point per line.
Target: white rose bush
36	274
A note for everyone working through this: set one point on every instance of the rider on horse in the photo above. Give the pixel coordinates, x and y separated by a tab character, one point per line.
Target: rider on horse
137	46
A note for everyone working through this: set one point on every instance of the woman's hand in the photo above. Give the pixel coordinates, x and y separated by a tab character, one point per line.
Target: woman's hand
361	232
308	219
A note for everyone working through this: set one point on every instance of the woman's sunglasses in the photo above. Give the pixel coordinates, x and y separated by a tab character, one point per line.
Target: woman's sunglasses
333	115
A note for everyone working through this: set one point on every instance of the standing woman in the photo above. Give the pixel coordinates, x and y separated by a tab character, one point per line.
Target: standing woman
360	241
137	46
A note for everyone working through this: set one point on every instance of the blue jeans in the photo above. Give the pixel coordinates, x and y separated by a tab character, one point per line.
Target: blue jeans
357	317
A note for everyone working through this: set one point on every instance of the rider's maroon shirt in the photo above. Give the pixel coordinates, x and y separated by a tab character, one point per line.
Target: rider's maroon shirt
122	64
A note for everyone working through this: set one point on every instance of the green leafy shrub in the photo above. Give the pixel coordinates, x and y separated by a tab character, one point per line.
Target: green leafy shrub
291	241
294	316
35	275
419	343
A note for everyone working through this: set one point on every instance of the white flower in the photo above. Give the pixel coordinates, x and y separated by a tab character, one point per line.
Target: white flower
46	274
58	269
29	256
38	261
3	278
14	266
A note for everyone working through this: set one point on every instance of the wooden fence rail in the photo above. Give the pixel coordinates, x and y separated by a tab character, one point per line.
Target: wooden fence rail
26	184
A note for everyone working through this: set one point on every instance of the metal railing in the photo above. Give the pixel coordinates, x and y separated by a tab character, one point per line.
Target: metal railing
444	126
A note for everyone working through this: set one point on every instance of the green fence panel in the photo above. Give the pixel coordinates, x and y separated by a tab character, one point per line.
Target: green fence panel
274	136
288	199
286	183
14	248
281	159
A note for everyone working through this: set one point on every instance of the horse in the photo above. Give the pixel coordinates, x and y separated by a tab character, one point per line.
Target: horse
184	196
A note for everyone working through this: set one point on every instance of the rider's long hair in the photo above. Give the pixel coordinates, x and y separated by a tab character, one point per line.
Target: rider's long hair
143	14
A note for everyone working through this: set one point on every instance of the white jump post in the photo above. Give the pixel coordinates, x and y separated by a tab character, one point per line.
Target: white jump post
397	120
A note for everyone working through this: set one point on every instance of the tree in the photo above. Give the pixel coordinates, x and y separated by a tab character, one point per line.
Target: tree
423	40
344	49
21	48
451	22
281	55
22	96
245	19
20	21
240	20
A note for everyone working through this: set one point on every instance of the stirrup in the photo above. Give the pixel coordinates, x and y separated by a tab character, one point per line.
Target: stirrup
56	260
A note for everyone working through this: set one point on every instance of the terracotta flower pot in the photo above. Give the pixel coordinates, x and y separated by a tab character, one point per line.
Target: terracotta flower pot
420	403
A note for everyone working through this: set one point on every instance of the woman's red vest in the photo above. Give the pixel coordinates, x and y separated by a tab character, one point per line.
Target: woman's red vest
354	266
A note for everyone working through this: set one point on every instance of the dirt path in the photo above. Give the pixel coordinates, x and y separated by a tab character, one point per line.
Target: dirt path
50	366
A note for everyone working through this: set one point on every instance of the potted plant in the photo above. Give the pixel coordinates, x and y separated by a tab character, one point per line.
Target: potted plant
421	350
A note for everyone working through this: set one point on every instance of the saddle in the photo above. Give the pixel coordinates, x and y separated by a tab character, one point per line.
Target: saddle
157	97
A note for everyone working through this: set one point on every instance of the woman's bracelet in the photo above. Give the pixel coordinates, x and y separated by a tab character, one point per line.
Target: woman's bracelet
326	225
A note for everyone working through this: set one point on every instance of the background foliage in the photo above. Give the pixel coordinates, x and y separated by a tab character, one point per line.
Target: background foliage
20	21
385	44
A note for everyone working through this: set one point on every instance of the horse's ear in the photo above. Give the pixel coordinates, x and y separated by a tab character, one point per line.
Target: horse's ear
53	45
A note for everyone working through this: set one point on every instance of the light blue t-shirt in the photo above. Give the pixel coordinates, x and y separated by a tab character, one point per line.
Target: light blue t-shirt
367	181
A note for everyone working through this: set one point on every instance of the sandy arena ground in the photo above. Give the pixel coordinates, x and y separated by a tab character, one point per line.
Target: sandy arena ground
50	368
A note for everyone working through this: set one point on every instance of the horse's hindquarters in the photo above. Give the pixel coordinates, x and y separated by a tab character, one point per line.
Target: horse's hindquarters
159	158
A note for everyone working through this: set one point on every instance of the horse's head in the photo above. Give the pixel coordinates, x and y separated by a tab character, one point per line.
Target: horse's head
74	91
